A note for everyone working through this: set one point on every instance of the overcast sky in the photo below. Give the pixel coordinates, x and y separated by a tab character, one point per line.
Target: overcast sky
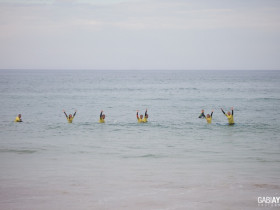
140	34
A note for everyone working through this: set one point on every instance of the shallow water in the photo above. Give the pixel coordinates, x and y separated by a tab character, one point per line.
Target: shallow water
175	161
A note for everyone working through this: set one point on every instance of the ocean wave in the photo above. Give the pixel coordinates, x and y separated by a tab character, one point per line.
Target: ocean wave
152	156
18	151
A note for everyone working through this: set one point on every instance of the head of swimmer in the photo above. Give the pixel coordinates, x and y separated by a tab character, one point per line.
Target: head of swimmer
19	116
103	116
208	115
141	116
228	113
70	115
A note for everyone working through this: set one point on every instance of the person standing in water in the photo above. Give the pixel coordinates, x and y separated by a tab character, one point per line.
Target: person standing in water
70	117
146	117
202	114
140	119
102	117
209	117
18	118
229	116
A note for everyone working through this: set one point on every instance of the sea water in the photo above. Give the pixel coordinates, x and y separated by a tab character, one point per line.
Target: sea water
175	161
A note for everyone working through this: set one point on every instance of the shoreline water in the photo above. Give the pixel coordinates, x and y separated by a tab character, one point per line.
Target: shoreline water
175	161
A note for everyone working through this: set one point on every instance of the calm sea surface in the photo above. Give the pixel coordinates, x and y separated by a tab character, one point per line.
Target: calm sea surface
175	161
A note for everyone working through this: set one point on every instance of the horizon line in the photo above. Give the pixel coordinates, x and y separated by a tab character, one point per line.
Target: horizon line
41	69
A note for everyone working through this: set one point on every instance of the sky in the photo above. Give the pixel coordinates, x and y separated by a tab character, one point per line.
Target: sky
140	34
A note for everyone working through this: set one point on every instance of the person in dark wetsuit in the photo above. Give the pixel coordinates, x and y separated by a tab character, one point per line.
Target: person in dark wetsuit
202	114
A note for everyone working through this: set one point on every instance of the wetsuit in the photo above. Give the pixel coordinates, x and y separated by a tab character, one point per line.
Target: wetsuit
145	118
70	119
201	115
101	120
18	119
209	120
230	117
138	118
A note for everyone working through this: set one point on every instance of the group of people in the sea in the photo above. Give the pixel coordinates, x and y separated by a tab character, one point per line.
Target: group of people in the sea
208	117
144	119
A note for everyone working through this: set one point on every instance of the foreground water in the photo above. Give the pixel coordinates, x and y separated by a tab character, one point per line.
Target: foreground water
175	161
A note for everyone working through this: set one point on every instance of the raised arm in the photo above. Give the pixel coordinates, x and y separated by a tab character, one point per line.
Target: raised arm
74	113
232	111
146	113
137	114
65	113
212	113
223	111
101	114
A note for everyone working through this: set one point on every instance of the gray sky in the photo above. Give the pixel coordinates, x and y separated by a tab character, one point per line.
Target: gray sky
140	34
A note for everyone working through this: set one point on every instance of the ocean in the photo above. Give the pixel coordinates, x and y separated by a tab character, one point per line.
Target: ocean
175	161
